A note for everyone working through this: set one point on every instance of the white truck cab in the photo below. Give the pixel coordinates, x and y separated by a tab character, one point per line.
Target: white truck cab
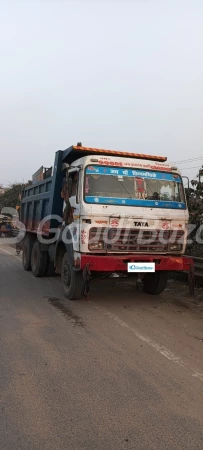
133	197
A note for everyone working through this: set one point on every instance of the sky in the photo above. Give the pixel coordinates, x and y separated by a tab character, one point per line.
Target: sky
118	74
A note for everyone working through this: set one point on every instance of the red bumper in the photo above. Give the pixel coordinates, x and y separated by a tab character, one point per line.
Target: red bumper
115	263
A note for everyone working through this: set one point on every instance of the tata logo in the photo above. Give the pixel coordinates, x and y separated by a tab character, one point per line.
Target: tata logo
141	224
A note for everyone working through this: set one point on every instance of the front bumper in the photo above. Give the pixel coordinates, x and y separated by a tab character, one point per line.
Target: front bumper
116	263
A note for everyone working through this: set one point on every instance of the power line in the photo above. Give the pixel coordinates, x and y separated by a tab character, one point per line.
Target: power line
189	160
194	167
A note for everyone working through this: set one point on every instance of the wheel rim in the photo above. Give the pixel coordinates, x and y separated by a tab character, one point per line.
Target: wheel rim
66	274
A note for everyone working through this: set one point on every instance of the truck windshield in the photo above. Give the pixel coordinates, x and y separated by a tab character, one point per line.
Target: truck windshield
119	186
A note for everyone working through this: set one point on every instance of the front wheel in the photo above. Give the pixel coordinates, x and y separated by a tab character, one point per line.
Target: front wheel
72	280
155	283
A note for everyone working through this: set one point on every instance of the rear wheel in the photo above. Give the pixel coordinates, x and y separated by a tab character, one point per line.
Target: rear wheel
39	260
50	272
155	283
27	245
72	280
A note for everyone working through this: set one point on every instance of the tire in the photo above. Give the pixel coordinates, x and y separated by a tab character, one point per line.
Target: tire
50	272
155	283
28	243
39	260
72	280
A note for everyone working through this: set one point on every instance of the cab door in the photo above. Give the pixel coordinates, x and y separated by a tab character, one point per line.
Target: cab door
74	183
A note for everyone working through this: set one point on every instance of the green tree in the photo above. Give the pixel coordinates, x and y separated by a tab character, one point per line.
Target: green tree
10	198
195	206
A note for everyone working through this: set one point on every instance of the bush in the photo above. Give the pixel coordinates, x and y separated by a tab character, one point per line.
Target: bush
195	206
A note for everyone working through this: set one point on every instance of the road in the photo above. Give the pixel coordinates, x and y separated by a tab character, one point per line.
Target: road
122	371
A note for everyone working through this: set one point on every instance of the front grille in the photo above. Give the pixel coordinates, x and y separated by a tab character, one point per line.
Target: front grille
136	240
131	240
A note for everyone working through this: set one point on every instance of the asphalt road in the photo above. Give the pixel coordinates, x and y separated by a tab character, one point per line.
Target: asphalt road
121	371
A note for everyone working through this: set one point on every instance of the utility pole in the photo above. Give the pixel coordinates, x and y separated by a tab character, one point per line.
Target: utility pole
200	174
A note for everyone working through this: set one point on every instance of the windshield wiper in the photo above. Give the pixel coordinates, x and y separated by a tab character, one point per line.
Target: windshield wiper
120	182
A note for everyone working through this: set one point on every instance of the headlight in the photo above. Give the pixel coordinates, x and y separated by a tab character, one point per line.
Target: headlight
175	247
96	246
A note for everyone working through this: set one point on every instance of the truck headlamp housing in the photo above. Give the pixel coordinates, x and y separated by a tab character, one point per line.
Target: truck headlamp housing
96	246
175	247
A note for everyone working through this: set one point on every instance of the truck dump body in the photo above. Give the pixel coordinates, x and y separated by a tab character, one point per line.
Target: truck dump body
43	199
36	204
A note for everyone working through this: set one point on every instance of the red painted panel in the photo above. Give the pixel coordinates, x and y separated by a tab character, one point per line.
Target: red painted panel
119	263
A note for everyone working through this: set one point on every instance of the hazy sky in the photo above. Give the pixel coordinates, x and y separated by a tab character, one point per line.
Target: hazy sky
114	74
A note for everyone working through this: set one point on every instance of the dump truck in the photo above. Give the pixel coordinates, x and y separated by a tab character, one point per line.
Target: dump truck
99	212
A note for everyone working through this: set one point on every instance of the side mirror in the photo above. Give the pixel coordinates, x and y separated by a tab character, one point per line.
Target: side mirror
188	182
188	194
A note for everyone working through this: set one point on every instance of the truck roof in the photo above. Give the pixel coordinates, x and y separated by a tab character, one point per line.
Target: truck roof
75	152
